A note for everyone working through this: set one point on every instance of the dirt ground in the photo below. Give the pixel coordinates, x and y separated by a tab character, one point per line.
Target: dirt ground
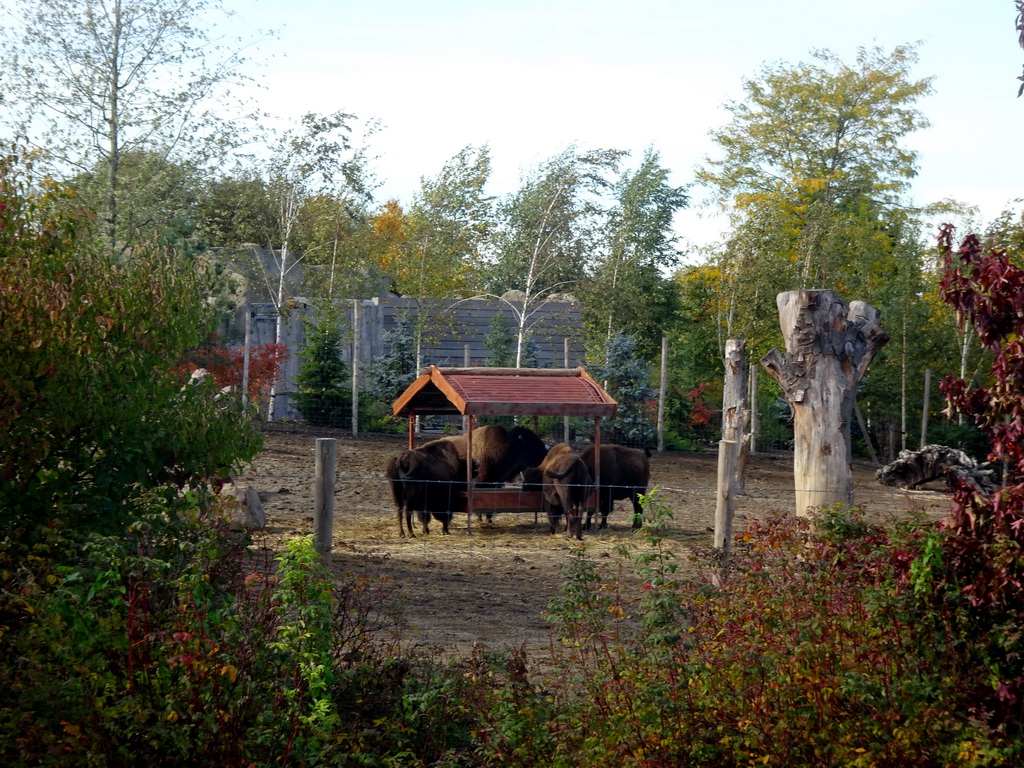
492	583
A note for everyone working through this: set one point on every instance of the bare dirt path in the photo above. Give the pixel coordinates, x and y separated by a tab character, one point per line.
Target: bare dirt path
492	585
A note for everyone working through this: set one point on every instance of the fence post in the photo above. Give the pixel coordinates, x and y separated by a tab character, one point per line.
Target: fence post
924	409
246	353
323	492
356	333
465	364
565	419
662	392
755	421
735	415
725	506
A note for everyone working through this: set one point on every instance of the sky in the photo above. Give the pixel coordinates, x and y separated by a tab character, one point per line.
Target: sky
530	78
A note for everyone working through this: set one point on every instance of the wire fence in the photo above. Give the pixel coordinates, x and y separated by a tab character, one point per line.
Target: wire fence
686	483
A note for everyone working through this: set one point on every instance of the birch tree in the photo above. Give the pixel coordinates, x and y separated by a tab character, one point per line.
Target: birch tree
546	233
316	158
627	290
448	224
94	81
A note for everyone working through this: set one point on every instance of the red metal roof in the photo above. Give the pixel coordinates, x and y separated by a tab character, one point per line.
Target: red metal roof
506	391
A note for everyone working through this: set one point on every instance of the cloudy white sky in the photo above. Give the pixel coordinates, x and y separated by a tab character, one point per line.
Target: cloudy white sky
531	77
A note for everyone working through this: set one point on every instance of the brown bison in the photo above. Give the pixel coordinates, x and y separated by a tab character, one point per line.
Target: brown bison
500	454
567	485
625	473
533	477
427	480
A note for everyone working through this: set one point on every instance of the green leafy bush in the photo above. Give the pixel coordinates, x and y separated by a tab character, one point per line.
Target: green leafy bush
90	413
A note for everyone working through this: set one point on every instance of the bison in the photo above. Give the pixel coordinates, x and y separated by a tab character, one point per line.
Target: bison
500	454
625	473
427	480
533	477
567	489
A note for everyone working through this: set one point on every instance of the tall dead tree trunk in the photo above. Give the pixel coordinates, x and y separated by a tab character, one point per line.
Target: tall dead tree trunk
828	349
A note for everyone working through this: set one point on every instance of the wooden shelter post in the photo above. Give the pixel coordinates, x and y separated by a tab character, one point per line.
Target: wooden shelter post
470	423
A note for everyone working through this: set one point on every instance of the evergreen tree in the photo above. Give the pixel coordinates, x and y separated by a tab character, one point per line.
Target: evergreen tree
628	378
500	342
392	374
324	397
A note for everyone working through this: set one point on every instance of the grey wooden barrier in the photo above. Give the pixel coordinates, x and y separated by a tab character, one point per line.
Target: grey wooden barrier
323	493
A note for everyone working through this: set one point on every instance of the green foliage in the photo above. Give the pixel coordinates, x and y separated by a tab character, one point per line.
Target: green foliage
626	291
545	228
392	374
628	376
325	394
500	342
823	206
154	643
233	211
127	95
89	410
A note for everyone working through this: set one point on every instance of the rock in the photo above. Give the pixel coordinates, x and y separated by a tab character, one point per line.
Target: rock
244	507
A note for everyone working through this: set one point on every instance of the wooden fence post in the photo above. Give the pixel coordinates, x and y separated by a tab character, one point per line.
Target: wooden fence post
725	506
565	419
735	415
465	364
662	393
925	407
246	355
755	421
323	492
356	333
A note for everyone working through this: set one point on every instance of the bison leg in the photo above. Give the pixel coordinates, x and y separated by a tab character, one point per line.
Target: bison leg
638	511
407	515
553	517
445	519
424	521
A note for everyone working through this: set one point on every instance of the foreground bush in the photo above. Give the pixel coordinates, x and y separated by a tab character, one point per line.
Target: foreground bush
162	646
815	645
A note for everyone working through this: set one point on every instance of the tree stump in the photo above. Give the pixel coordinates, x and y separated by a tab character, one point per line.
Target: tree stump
828	349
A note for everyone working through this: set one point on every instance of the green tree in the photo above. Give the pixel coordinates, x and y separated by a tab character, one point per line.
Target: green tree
628	379
392	374
91	414
819	145
628	290
446	227
333	234
547	232
325	386
99	81
233	211
500	343
317	158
